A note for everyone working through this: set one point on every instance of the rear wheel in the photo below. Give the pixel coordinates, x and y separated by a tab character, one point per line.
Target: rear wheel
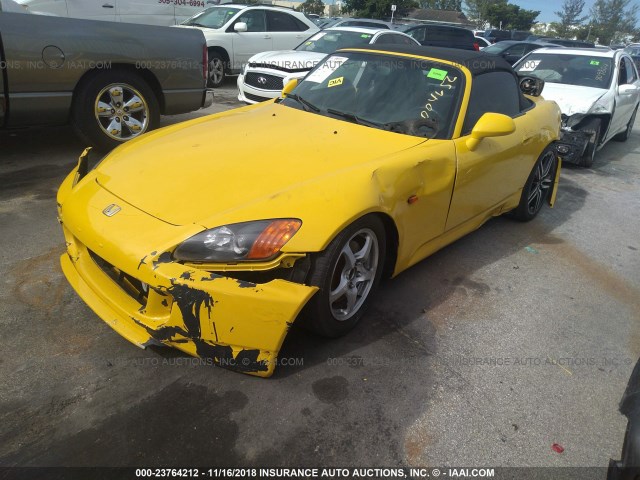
113	107
347	273
217	70
538	186
592	128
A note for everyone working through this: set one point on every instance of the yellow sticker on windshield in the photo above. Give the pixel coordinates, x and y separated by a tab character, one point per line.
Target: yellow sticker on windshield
334	82
437	74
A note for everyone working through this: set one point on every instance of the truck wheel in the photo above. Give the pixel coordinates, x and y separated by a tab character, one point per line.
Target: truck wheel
217	70
113	107
592	127
624	136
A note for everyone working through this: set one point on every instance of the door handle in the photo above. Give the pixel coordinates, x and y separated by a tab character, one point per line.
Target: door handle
267	37
107	5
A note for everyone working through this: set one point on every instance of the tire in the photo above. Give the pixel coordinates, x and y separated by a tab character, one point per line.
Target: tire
346	286
538	186
592	127
217	70
113	107
624	136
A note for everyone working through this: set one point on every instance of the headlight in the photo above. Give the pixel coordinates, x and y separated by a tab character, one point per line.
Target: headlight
259	240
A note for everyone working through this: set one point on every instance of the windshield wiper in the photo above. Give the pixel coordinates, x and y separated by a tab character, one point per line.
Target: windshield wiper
195	24
305	103
355	119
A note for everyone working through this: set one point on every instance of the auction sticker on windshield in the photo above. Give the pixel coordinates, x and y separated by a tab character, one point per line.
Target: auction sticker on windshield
326	69
529	66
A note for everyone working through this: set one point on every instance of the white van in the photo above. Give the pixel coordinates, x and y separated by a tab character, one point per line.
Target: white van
150	12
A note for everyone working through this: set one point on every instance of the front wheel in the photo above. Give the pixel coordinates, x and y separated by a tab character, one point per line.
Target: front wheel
347	274
593	130
538	186
624	136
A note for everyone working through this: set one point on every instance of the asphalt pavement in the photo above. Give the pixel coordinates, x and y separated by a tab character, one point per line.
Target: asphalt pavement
515	338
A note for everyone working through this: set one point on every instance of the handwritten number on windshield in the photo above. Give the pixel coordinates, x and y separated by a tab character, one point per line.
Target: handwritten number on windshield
446	83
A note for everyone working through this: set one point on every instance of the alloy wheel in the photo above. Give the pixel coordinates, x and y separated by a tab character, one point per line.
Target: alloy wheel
121	111
354	274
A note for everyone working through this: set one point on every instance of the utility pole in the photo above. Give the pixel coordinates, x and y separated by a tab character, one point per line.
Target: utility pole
393	9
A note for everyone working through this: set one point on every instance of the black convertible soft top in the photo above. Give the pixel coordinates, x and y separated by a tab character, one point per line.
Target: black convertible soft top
476	62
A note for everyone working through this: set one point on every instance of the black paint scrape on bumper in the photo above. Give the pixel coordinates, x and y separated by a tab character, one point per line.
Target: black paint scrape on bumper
571	145
628	467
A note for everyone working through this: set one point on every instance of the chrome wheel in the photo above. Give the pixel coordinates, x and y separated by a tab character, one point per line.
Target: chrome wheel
541	182
216	71
354	274
121	111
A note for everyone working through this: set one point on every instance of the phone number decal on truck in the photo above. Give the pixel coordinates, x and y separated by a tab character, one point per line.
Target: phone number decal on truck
191	3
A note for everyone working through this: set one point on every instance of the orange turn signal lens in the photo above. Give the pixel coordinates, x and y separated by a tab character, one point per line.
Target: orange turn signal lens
273	238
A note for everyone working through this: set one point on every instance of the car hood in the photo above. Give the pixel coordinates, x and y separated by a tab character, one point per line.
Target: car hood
289	59
572	99
191	172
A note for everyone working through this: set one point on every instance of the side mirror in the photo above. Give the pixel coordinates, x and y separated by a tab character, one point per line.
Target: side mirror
288	88
240	27
490	125
531	86
627	89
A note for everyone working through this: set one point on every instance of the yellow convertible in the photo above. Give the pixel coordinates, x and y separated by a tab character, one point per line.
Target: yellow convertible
213	236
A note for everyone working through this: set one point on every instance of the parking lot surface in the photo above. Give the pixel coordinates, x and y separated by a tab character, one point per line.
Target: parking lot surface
514	338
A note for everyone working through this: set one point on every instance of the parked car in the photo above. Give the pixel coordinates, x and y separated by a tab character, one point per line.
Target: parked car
266	73
235	33
150	12
368	165
495	35
442	36
598	92
327	22
563	41
512	51
361	22
628	467
111	82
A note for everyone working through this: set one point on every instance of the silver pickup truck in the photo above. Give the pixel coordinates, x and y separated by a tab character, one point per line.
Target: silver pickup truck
109	80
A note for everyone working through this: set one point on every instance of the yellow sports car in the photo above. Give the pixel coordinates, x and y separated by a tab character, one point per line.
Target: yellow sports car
213	236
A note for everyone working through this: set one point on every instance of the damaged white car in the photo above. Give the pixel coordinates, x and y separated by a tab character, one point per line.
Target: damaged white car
598	93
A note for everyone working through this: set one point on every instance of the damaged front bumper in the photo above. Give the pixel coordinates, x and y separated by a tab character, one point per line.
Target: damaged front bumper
572	144
150	299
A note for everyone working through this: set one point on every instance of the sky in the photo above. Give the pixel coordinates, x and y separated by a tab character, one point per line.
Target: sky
547	7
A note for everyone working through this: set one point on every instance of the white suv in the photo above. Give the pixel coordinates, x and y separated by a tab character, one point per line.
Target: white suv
235	33
266	73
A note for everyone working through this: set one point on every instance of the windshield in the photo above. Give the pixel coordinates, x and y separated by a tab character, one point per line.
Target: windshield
330	41
214	17
580	70
401	95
